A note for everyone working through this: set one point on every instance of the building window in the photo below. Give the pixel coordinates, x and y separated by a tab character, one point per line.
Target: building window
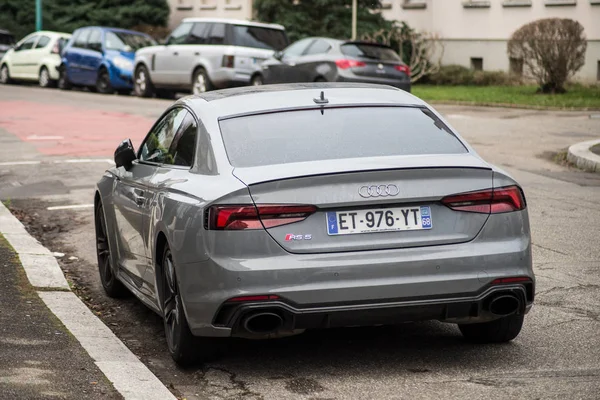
516	3
476	4
232	5
184	5
516	66
560	2
208	5
477	63
414	4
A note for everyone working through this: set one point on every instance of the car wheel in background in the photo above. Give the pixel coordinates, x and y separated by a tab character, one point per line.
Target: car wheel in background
103	82
112	286
320	79
200	82
5	75
257	80
63	81
143	86
500	330
184	347
44	78
124	92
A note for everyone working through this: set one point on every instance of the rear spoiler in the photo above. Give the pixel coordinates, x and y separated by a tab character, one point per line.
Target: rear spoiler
374	44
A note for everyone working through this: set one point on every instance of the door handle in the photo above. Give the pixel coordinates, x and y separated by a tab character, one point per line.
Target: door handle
175	53
139	198
197	53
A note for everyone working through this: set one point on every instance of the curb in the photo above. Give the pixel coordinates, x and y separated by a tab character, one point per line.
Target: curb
509	105
129	376
581	155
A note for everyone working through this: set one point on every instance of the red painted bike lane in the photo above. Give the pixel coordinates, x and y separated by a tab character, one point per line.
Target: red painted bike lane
57	130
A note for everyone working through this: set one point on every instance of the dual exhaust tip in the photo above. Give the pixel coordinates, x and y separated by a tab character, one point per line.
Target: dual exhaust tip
264	323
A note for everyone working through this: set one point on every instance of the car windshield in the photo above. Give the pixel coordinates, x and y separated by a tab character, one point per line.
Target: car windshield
338	133
259	37
6	39
361	50
127	41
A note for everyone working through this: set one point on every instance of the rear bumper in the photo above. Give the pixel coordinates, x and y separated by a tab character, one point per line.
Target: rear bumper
431	277
229	77
349	77
457	309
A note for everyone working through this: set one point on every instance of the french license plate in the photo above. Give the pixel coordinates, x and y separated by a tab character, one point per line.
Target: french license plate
379	220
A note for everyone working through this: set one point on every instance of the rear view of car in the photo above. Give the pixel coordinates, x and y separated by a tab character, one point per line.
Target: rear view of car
203	54
35	58
102	59
331	60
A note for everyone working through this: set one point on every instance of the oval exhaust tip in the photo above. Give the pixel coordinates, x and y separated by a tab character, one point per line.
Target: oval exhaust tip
504	305
263	323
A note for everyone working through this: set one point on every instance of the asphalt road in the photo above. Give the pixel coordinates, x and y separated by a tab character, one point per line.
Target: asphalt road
557	354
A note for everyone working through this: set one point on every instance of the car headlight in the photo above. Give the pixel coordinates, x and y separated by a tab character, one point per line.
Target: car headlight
123	63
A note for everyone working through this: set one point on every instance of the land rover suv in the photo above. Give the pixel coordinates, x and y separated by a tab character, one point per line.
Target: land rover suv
203	54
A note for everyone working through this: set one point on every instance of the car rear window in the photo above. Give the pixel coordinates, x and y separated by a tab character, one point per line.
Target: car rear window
338	133
374	52
259	37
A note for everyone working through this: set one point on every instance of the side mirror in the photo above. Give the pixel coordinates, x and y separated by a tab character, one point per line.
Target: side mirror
124	155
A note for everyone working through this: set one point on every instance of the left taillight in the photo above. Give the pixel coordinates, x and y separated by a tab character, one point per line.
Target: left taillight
56	48
489	201
403	68
247	217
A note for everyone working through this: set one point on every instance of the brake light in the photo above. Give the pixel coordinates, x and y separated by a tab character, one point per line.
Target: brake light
228	61
56	48
511	280
489	201
253	298
345	64
247	217
403	68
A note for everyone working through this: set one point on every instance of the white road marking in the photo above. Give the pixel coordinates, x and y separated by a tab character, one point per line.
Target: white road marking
36	137
70	207
129	376
72	161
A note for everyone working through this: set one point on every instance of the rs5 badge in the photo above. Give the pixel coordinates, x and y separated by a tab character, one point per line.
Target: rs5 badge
290	236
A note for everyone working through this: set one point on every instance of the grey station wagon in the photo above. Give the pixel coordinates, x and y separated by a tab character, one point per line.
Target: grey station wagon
265	211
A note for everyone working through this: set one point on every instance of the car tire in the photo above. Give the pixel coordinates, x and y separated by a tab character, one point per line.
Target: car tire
201	82
185	348
103	85
142	84
320	79
5	75
111	284
44	79
257	80
500	330
63	80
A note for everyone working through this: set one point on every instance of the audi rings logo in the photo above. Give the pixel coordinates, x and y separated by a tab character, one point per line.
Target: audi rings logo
378	191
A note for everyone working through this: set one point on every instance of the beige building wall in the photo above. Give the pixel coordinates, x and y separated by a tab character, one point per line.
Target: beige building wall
237	9
481	29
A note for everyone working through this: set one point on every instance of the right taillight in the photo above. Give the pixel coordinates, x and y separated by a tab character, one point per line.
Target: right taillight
489	201
345	64
247	217
228	61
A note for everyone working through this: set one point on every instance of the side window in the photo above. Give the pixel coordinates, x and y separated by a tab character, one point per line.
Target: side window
43	42
82	38
156	146
318	47
198	34
217	34
296	49
183	147
180	34
95	40
28	44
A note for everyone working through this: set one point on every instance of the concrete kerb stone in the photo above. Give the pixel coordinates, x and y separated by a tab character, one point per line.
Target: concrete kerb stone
581	155
130	377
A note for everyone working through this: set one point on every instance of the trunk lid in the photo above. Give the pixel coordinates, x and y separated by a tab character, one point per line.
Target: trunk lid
420	181
377	61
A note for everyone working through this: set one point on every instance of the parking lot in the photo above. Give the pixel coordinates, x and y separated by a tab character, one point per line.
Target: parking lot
57	144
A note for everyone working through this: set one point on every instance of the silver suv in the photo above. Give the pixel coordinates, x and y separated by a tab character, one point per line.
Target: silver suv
203	54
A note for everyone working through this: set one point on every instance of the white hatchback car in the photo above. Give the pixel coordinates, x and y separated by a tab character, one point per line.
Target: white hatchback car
35	58
206	53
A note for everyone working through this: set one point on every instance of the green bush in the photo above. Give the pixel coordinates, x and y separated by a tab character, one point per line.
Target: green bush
455	75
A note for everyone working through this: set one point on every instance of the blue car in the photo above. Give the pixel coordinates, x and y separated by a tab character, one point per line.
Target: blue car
101	59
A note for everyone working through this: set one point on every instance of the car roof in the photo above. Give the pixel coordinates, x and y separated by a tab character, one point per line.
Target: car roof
234	22
254	100
51	33
108	28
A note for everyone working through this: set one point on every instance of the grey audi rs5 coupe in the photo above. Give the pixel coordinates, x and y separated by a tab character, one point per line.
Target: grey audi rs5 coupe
264	211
